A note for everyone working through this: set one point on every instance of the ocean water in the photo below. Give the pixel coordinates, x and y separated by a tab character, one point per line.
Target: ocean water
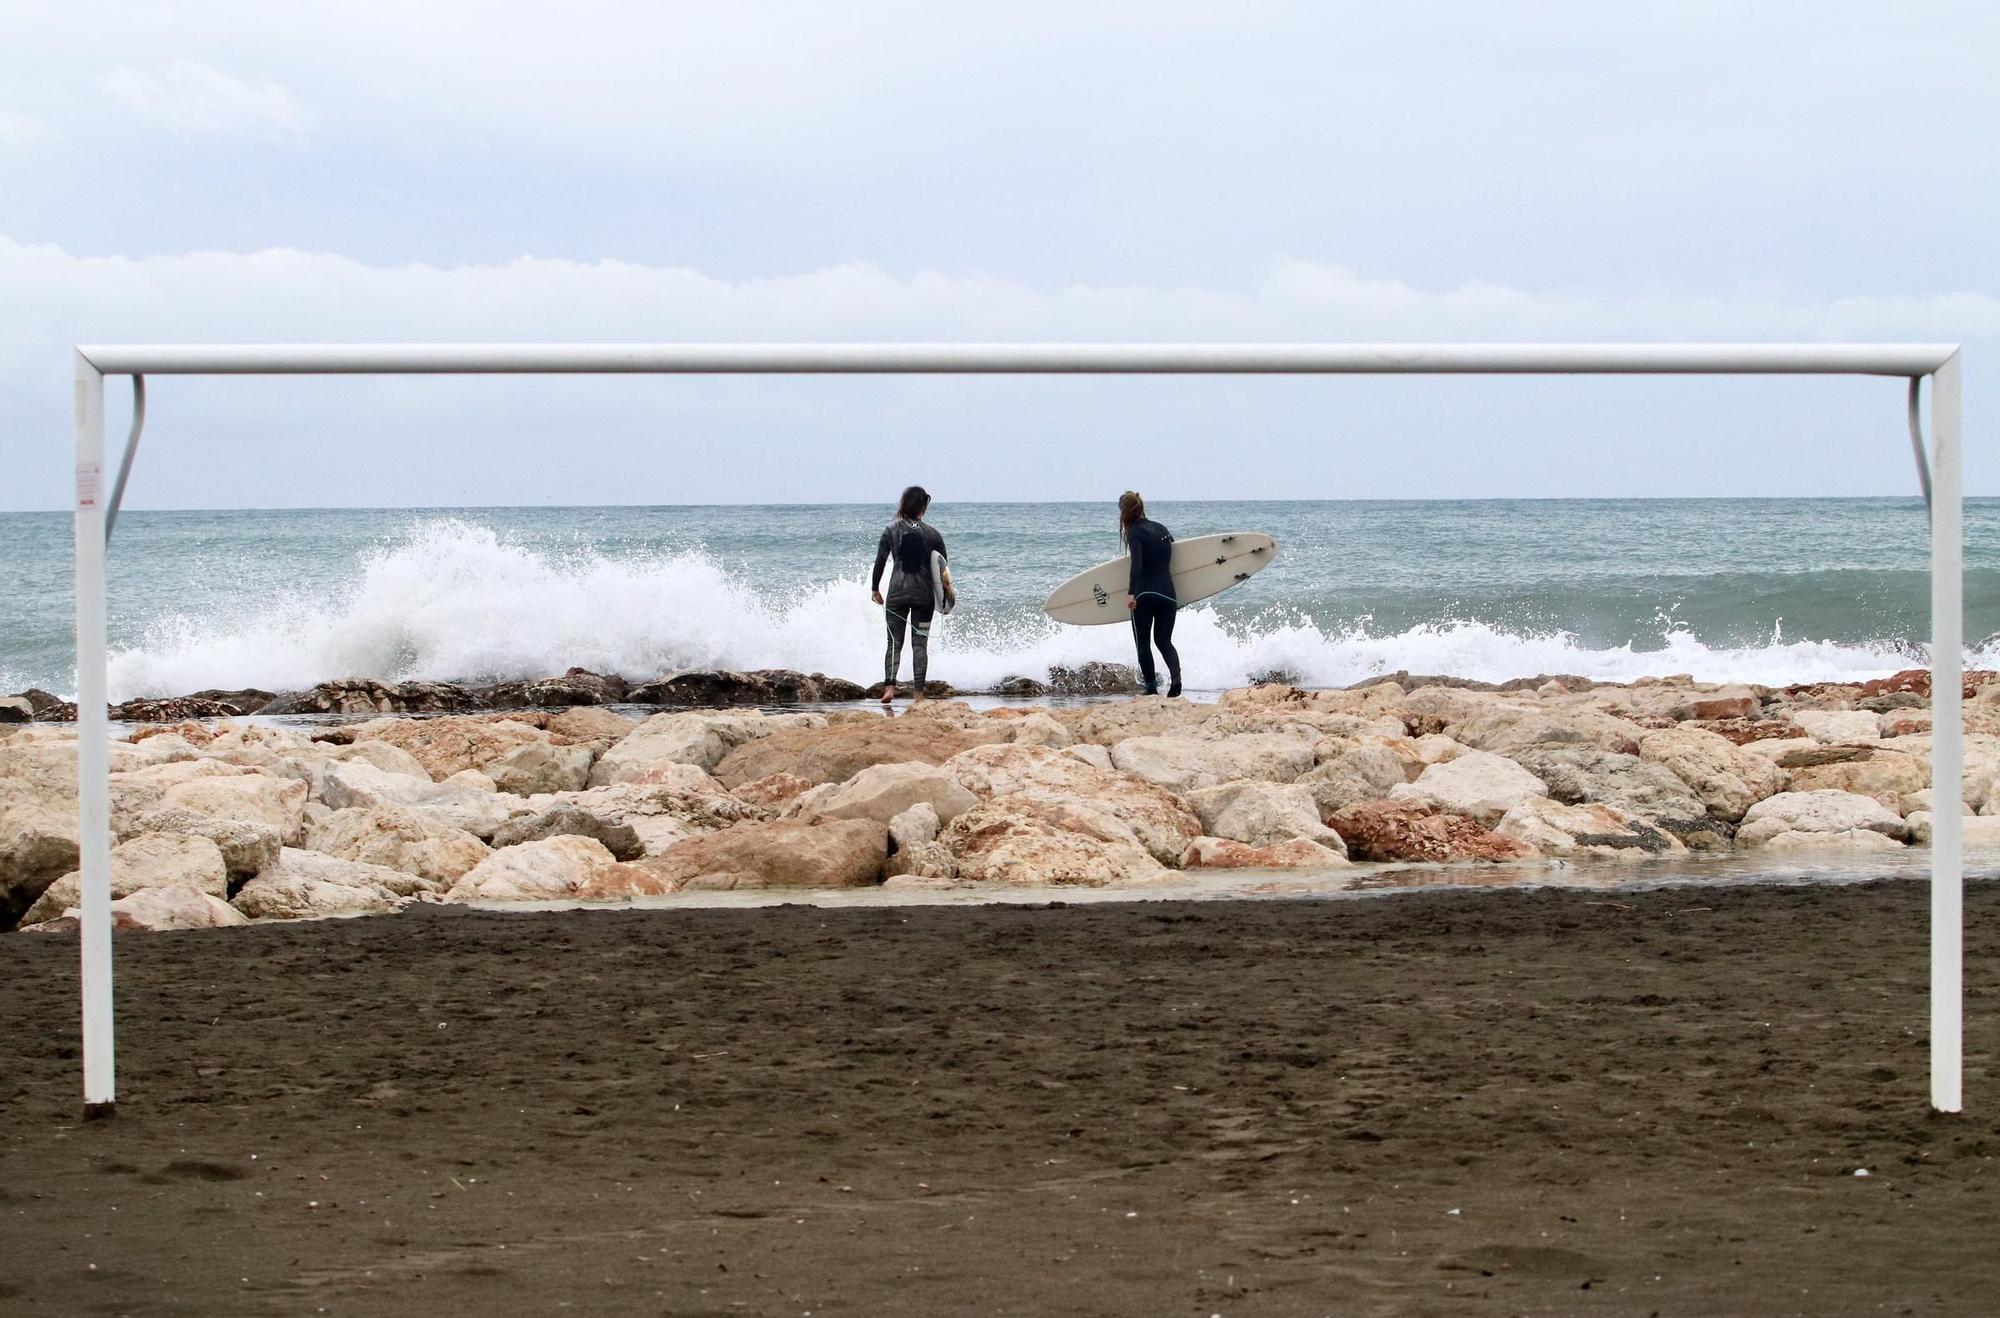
1765	590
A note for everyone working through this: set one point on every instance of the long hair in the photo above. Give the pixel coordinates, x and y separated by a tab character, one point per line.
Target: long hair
1131	510
915	503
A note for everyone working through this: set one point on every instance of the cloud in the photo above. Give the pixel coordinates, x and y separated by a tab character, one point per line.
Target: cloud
17	129
198	101
277	443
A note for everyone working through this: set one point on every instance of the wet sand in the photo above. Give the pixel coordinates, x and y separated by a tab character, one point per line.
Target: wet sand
1439	1103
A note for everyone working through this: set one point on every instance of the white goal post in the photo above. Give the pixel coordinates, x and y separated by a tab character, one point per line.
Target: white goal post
1940	473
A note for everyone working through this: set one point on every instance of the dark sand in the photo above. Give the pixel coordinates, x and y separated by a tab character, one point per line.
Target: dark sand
1449	1103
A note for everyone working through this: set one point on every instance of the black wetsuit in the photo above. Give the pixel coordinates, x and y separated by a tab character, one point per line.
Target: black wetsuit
1152	587
911	599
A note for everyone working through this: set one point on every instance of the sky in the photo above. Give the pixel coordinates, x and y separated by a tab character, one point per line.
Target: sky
206	172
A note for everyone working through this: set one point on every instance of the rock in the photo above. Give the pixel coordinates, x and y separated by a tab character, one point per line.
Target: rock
1728	778
933	690
37	822
919	823
49	708
1351	776
1095	678
931	861
1885	775
1652	792
463	801
708	687
1033	728
381	754
587	725
1823	811
1477	784
1980	832
365	695
578	686
1414	831
1121	806
1006	686
445	746
248	846
702	739
684	803
1838	725
171	907
833	754
1743	731
16	709
398	838
883	791
562	868
1213	853
1262	814
305	885
825	853
620	839
1555	829
774	792
1030	840
1508	730
176	710
1107	725
253	797
1097	757
153	860
540	767
1180	763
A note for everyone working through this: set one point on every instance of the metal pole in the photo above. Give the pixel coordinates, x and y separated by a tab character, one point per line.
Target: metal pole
1947	745
93	770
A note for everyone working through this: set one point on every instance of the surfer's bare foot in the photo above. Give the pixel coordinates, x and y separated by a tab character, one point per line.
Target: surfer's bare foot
919	698
888	694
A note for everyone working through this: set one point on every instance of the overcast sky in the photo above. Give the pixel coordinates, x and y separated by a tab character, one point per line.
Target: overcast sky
1164	171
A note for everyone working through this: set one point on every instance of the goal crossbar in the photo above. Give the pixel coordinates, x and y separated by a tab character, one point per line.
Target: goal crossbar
1941	363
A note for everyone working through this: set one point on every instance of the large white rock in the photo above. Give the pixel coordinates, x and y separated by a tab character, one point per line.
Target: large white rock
305	885
247	845
553	869
1846	839
1351	775
1262	814
697	737
1478	784
464	801
1593	829
398	838
174	906
278	802
37	819
537	767
1727	778
1124	806
1823	811
1839	725
883	791
1980	832
1181	763
1032	840
152	860
680	802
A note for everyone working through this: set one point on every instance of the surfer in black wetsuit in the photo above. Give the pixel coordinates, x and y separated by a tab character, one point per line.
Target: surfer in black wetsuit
914	595
1150	594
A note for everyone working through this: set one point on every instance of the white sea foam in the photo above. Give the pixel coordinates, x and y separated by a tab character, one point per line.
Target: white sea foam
454	601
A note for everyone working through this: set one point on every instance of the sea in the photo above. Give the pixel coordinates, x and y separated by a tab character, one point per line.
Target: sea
1759	590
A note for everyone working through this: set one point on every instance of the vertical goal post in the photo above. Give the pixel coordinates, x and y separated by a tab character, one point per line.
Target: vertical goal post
1940	470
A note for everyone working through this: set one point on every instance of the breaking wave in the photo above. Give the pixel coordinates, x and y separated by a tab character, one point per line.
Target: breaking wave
453	601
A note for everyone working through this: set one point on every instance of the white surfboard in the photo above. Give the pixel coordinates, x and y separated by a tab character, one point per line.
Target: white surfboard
1204	566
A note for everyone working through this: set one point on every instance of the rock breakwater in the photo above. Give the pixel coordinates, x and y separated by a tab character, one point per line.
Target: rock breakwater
217	821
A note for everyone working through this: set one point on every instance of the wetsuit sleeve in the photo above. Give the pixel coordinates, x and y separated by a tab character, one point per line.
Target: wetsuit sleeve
937	543
881	559
1137	542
